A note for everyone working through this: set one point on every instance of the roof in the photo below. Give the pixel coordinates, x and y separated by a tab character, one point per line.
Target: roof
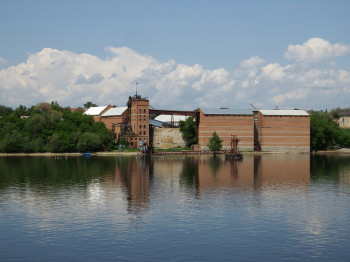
95	111
154	122
344	112
226	111
277	112
115	111
169	118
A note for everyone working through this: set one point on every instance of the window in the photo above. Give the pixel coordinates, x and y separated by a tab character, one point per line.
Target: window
144	110
140	132
144	133
140	126
144	126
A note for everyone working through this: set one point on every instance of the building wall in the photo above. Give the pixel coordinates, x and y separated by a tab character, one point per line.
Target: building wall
344	121
168	138
284	133
139	119
226	125
109	121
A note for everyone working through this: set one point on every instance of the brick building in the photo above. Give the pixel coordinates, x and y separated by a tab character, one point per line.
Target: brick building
115	119
138	109
226	122
284	130
130	122
97	111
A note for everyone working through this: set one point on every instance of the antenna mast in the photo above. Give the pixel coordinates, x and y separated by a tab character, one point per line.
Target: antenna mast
136	87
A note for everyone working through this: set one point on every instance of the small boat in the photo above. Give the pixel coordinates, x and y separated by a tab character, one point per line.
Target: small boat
87	155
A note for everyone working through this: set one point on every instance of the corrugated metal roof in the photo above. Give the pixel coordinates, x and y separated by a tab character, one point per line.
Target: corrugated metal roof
115	111
228	111
95	111
284	112
154	122
169	118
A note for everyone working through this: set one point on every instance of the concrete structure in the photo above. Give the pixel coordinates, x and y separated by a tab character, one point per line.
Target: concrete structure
344	118
284	130
167	138
226	122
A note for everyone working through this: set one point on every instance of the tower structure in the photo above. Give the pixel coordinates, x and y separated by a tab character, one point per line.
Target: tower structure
139	120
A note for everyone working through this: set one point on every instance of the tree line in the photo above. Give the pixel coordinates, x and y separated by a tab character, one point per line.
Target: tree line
48	127
325	133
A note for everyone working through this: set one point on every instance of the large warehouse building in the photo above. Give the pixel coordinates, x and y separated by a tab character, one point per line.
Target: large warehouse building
226	122
284	130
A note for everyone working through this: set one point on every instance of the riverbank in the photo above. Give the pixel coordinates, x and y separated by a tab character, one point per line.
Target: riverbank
121	153
72	154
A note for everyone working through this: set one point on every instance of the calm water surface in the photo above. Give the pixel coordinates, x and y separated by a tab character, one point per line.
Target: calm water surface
264	208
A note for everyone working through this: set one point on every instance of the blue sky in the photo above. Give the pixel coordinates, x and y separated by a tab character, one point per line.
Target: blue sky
184	54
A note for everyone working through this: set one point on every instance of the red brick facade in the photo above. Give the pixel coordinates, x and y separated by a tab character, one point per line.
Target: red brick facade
225	125
284	133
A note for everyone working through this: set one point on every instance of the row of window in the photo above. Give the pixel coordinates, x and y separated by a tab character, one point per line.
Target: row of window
140	110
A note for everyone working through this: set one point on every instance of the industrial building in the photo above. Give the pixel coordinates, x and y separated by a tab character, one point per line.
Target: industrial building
226	123
258	130
284	130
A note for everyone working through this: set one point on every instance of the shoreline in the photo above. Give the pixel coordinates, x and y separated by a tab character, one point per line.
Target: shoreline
339	151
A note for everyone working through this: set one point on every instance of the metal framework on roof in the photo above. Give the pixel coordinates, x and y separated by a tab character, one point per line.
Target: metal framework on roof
171	112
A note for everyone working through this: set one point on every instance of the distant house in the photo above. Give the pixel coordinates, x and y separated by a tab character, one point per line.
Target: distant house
344	118
284	130
226	122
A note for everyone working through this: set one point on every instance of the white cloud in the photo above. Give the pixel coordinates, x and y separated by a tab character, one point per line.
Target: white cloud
3	62
316	49
73	79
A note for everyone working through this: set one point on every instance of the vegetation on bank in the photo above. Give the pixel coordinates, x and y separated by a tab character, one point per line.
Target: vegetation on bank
325	134
48	127
188	129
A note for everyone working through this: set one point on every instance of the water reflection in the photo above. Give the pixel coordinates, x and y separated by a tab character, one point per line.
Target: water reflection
135	177
266	207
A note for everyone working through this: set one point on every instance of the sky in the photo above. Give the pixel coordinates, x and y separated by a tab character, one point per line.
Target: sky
183	54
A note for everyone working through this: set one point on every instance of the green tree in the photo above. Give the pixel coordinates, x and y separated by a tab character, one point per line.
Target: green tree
189	131
89	142
42	107
5	110
325	133
89	104
215	143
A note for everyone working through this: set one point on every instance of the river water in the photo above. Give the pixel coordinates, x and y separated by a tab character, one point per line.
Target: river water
271	207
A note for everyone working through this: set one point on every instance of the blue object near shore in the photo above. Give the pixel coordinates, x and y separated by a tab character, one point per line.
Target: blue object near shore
86	154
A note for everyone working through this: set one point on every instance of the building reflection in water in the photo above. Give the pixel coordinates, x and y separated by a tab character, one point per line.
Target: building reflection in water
134	178
142	179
